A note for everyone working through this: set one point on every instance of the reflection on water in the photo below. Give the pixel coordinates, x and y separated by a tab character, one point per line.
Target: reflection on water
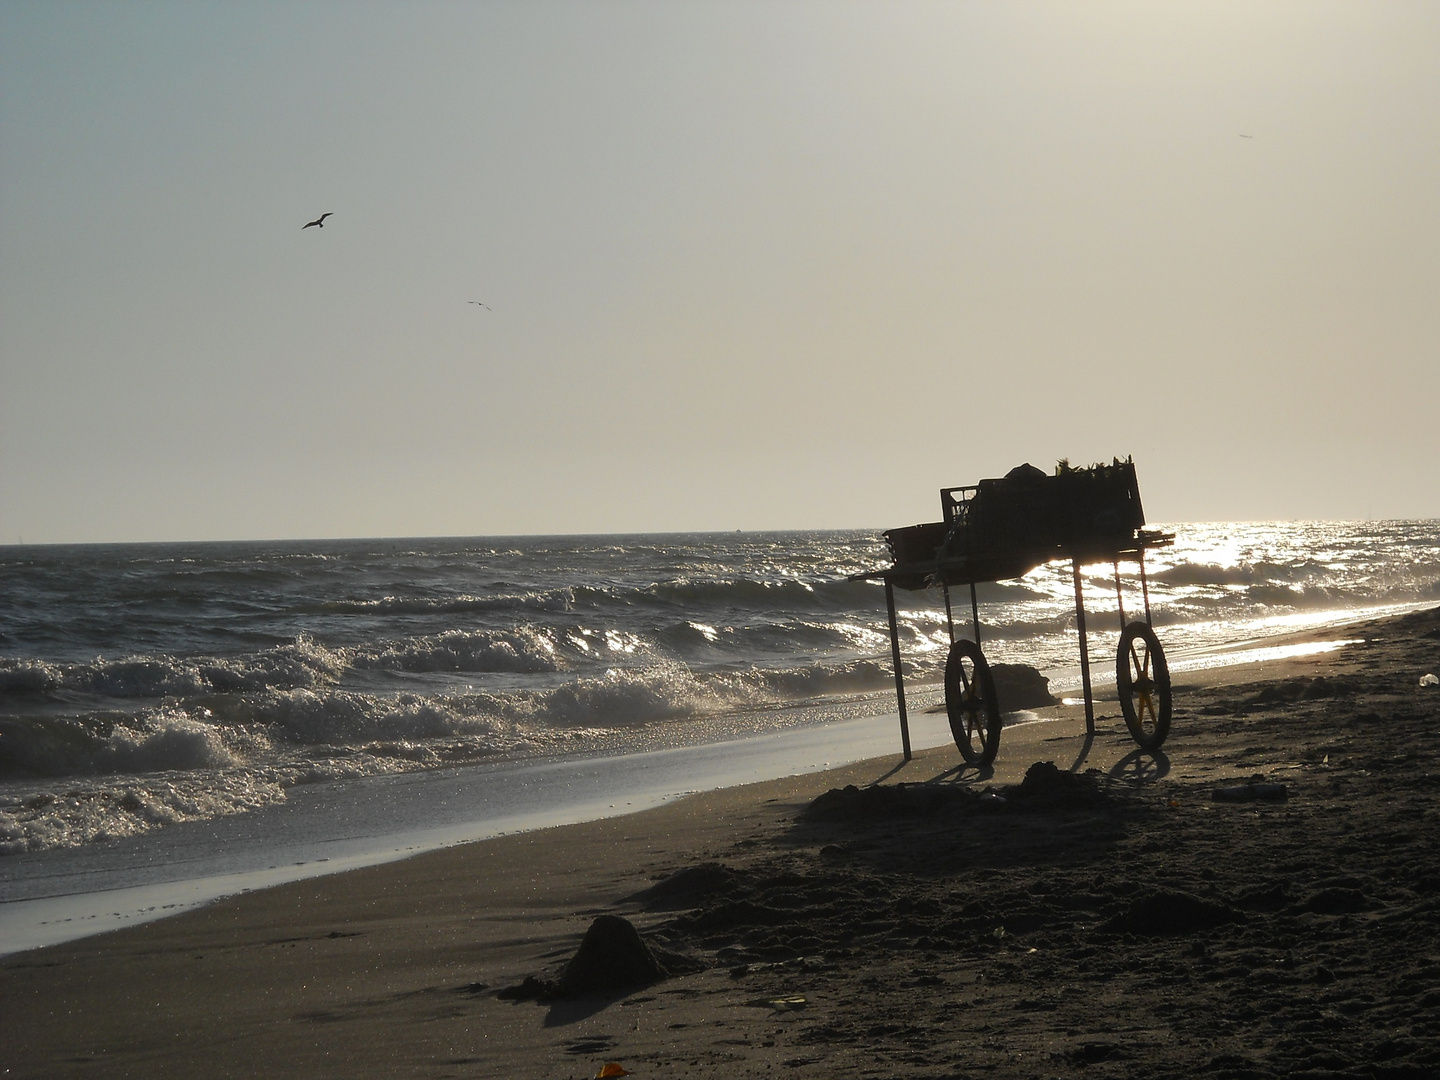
1205	660
1228	658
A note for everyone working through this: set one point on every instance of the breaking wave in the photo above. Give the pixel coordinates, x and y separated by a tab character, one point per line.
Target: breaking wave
301	663
521	650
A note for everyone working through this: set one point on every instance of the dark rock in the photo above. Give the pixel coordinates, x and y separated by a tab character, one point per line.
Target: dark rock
1020	686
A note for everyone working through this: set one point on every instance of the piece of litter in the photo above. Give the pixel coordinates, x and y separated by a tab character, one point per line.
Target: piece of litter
1429	680
779	1004
611	1068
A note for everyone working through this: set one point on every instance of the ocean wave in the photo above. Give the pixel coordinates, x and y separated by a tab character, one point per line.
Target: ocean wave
522	650
818	680
692	639
311	718
706	594
90	813
790	594
151	741
627	698
558	599
1187	573
672	691
300	663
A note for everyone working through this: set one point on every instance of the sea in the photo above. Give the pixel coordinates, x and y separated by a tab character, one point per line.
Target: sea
144	686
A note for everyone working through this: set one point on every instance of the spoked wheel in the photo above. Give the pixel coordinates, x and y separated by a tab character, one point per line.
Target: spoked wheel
1143	680
971	704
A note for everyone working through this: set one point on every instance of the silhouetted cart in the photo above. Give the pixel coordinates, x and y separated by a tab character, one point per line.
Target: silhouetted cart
1004	528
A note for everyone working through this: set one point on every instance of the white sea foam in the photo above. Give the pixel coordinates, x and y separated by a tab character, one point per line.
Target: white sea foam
87	812
173	741
300	663
524	649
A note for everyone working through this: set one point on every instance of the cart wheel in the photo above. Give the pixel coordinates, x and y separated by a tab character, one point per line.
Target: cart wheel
1143	680
971	704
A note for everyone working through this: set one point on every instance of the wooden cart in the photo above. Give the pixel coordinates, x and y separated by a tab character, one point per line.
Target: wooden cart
1004	528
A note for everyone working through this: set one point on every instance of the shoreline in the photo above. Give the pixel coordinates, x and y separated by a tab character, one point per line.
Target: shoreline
923	946
331	829
335	828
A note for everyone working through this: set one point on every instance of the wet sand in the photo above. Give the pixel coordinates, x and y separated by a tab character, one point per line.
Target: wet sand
1109	918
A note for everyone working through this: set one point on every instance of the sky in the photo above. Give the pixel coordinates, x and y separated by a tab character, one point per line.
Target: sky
746	265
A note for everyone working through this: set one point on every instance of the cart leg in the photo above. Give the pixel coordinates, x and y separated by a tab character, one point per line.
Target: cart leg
1145	587
1119	596
1084	650
899	677
949	616
975	613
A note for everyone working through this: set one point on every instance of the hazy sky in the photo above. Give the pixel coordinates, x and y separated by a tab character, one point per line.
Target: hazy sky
748	265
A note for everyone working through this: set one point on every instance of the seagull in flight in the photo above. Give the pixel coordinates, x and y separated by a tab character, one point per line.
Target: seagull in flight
487	307
318	221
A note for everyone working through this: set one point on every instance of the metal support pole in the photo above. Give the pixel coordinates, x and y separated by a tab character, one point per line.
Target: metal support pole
949	616
1084	649
1145	587
895	659
975	613
1119	597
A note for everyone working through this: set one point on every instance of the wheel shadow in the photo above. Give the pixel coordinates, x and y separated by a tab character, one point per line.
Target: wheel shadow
1141	767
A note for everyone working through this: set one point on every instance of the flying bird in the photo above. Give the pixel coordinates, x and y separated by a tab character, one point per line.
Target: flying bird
318	221
487	307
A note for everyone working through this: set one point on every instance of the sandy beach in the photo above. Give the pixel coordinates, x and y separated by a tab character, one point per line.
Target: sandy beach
1109	917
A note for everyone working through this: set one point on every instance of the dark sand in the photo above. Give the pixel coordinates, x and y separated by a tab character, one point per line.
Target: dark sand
1109	923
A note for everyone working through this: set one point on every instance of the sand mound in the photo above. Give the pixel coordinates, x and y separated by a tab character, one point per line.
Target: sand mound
688	887
612	958
1046	786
